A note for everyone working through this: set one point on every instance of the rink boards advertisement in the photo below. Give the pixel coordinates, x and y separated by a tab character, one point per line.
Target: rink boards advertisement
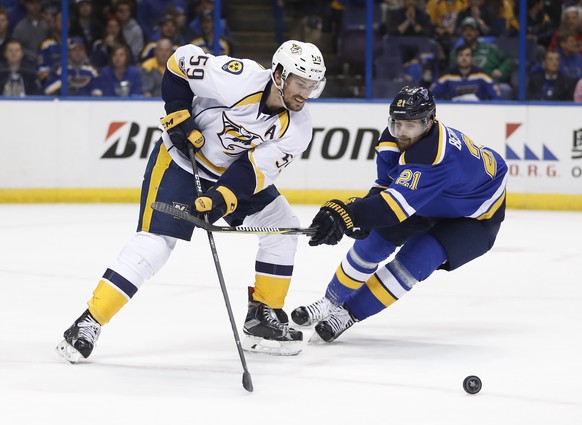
87	151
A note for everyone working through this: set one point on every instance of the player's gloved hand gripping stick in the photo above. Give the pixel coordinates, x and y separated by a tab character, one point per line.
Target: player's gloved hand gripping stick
332	221
182	130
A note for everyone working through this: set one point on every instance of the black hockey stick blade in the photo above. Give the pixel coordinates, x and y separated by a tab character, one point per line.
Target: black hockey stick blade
247	382
184	215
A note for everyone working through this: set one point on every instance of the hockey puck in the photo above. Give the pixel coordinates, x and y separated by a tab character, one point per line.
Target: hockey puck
472	384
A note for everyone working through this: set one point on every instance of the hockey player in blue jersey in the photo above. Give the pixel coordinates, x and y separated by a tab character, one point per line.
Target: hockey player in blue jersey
438	196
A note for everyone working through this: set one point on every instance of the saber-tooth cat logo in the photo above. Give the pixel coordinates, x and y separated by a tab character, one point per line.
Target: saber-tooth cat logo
235	138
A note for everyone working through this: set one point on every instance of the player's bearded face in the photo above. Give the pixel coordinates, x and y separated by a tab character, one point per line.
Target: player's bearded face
408	132
296	91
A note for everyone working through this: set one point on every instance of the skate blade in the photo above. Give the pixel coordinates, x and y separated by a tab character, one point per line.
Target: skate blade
68	352
316	339
254	344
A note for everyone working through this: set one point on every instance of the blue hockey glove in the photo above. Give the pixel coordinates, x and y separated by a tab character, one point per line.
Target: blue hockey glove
332	221
182	130
216	202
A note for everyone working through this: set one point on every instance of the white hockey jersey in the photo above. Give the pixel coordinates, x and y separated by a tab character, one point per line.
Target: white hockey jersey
229	109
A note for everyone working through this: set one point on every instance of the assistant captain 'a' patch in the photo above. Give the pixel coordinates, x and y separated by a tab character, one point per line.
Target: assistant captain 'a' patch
233	66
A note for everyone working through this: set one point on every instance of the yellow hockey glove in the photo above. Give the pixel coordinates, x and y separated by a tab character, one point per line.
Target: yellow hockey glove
183	130
217	202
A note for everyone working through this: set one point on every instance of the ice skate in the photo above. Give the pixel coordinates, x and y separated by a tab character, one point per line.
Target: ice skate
312	313
339	320
267	331
80	338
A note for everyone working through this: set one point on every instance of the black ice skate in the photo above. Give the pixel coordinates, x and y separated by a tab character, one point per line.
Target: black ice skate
312	313
267	331
80	338
336	323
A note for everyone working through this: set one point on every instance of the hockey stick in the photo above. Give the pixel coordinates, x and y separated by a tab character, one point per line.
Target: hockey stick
246	378
184	215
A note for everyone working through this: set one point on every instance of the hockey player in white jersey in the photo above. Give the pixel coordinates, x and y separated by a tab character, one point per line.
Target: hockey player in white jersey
246	124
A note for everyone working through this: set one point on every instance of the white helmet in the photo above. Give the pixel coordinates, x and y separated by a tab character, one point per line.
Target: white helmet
301	59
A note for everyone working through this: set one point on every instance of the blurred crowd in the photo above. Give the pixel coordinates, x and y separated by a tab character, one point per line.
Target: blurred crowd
461	49
469	49
115	47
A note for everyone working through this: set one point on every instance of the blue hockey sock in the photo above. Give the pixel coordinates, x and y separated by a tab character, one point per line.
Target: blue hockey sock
416	260
357	266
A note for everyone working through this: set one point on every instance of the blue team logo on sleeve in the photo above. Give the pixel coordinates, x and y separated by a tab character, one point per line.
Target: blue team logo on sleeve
233	67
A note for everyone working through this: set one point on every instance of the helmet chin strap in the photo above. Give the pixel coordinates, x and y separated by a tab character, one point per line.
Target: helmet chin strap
280	90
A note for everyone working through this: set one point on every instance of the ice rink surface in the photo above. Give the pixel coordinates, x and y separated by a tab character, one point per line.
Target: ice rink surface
512	317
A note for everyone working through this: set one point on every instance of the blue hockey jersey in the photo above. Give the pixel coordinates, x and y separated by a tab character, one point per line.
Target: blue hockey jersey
444	175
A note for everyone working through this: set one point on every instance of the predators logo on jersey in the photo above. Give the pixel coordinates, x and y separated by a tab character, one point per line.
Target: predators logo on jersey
235	138
234	67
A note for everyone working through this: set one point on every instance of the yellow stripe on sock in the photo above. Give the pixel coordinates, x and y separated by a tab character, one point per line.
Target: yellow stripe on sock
271	290
347	281
106	302
379	291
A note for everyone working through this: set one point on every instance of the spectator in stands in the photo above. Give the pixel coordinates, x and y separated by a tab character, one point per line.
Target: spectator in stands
32	30
86	24
113	35
506	22
486	56
203	7
413	68
571	19
549	83
167	29
82	76
152	70
16	78
16	13
50	49
443	14
307	24
409	20
129	26
578	91
120	78
465	81
4	24
149	12
554	10
570	58
483	15
181	19
539	24
206	38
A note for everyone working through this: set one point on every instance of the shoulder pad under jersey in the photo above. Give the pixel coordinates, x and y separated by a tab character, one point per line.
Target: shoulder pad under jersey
428	150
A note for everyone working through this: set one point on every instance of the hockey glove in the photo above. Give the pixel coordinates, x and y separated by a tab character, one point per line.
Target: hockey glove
332	221
216	202
373	191
356	232
182	130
